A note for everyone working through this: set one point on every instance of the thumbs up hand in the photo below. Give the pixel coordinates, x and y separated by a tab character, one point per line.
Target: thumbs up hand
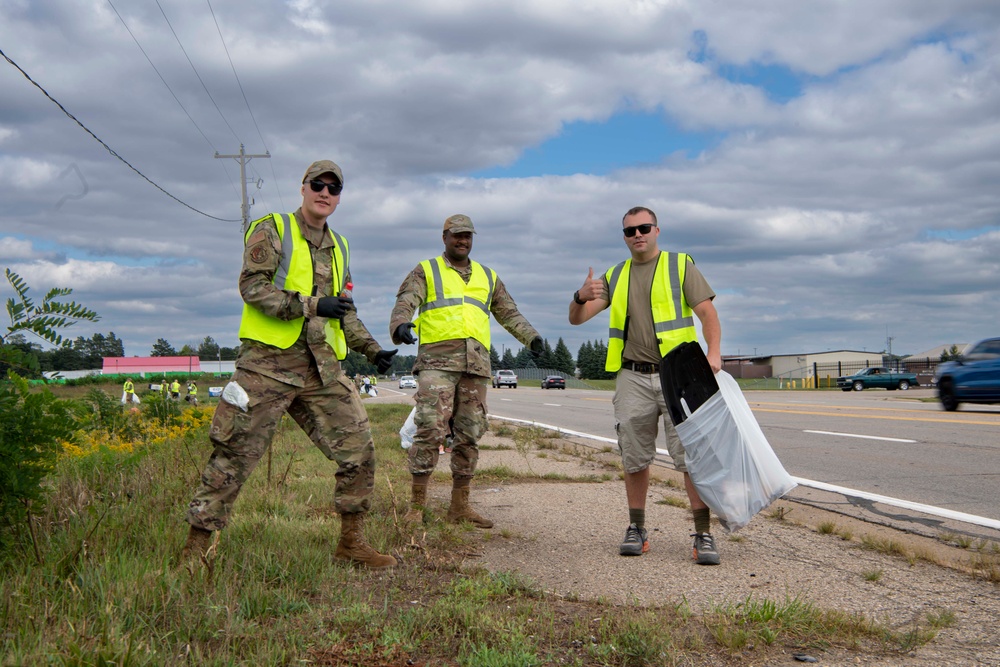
592	287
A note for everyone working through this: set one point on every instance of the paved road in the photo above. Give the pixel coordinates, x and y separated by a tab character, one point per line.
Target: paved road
879	442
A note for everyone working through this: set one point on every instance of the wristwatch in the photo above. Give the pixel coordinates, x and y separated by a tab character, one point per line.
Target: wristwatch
576	297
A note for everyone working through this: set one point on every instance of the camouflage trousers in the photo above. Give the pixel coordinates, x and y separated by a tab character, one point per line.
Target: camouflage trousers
332	416
441	396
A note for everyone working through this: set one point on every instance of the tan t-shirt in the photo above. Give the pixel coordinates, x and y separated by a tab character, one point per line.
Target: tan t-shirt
641	344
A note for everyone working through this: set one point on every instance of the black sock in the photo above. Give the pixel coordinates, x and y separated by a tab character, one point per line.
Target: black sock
638	517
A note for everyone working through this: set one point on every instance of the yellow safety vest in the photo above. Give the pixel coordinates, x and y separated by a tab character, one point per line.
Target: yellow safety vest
673	319
295	273
193	389
129	388
453	308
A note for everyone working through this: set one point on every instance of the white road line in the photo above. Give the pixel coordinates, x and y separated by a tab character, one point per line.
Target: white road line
823	486
857	435
553	405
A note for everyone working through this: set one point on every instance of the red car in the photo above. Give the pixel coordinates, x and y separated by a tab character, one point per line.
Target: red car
553	382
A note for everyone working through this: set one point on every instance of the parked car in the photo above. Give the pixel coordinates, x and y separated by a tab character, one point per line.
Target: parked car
407	382
504	378
553	382
878	376
973	378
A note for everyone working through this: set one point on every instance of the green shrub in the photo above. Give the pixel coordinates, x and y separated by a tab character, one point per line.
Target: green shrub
32	424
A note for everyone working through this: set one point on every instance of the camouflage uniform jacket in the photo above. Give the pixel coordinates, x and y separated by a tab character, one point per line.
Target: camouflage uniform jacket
466	355
260	261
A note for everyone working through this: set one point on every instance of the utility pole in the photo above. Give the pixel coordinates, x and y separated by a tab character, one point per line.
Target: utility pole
243	159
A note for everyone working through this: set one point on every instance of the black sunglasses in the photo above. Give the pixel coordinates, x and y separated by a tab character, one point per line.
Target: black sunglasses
642	229
334	188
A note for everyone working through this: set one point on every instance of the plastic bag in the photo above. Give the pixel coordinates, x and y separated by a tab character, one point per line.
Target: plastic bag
731	464
372	391
234	394
409	430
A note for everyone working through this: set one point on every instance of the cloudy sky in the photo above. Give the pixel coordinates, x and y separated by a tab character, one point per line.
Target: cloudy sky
833	167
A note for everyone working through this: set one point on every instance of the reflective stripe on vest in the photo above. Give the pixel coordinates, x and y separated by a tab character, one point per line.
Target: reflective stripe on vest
673	320
295	274
454	309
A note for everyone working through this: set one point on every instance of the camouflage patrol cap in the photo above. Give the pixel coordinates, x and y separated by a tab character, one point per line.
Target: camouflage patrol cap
459	223
320	167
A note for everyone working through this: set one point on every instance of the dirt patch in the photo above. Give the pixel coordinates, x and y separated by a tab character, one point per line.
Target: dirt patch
564	536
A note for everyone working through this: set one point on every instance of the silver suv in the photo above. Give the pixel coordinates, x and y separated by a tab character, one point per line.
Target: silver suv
504	378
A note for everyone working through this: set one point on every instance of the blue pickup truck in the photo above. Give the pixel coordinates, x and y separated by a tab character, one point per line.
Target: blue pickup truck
973	378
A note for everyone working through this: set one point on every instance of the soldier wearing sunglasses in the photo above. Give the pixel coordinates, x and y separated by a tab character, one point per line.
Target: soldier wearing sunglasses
652	297
295	331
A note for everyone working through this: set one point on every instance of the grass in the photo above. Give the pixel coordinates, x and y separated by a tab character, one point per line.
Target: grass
109	590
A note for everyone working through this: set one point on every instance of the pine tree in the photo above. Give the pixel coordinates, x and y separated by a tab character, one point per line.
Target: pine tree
494	359
584	360
208	349
508	359
562	359
545	359
161	348
525	359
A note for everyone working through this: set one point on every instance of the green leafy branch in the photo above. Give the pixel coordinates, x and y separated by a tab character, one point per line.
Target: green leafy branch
43	321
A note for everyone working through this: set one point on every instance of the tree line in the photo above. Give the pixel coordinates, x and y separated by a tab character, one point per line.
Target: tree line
589	363
88	353
80	353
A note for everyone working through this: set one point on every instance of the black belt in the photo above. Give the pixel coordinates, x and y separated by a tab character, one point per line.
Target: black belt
647	369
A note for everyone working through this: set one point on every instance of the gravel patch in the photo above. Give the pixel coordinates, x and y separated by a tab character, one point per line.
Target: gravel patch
564	535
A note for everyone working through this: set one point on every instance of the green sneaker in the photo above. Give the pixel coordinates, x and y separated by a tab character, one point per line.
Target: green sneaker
704	549
636	541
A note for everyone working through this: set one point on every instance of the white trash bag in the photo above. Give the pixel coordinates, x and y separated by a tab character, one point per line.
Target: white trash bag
731	464
409	430
236	395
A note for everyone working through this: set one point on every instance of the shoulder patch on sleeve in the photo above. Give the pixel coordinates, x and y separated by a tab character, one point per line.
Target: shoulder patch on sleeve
260	253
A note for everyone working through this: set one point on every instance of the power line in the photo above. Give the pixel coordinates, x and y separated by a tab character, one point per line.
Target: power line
240	84
177	99
109	149
222	115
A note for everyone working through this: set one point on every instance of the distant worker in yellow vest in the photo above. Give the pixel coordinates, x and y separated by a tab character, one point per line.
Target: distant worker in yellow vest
655	293
175	390
453	298
192	393
129	389
296	329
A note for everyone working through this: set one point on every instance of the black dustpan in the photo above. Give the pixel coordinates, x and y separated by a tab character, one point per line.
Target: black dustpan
685	374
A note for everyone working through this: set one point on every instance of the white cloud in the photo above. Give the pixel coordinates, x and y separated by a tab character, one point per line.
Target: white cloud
818	221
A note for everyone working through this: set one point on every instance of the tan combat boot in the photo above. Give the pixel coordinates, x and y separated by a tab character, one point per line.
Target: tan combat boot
418	501
460	509
197	544
353	547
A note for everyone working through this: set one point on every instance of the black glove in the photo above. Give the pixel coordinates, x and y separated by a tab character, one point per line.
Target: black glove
383	360
333	307
536	347
403	333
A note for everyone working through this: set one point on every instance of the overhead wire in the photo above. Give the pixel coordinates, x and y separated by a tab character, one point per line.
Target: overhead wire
107	147
195	70
177	99
240	84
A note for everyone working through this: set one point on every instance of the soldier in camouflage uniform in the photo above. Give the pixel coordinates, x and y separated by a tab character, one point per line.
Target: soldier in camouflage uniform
295	330
454	296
